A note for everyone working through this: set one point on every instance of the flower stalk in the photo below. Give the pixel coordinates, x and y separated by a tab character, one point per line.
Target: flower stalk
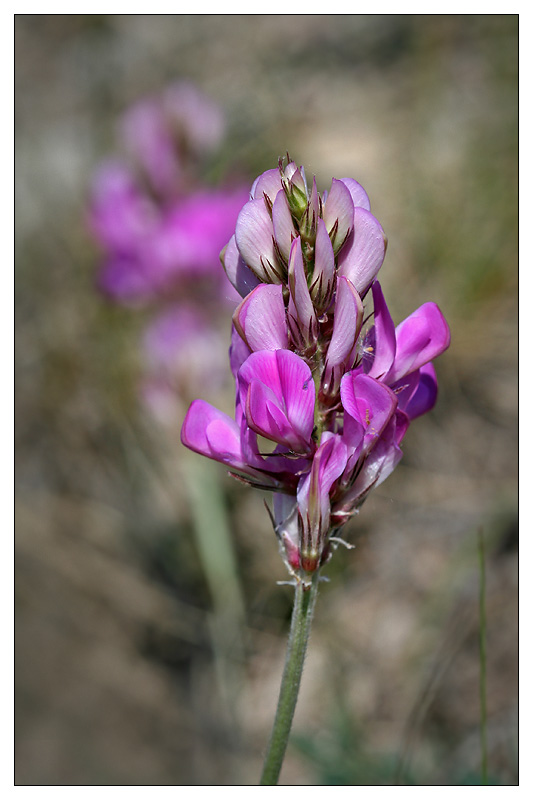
333	397
302	617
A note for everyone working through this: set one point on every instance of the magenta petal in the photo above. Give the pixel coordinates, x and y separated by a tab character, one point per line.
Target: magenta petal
260	319
383	337
420	338
290	388
380	463
377	466
402	424
254	237
359	196
283	225
242	278
370	403
425	396
362	256
210	432
298	390
348	318
266	418
405	388
338	213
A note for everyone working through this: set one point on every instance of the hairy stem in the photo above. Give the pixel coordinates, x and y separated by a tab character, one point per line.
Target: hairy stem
302	616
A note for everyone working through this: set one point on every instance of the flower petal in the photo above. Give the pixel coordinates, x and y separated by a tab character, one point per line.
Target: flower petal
322	283
378	465
291	390
242	278
368	402
268	183
420	338
210	432
302	316
362	256
359	196
260	318
254	237
382	340
347	323
425	395
338	213
313	498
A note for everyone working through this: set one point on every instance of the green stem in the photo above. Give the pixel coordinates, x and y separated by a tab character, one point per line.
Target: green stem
302	616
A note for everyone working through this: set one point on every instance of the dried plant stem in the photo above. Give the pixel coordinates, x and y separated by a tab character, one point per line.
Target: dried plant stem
302	616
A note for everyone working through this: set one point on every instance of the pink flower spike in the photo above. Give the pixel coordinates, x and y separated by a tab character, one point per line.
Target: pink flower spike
338	214
362	256
260	318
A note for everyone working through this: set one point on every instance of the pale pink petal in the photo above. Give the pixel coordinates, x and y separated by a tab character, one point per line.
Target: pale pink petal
338	213
242	278
254	237
261	320
362	256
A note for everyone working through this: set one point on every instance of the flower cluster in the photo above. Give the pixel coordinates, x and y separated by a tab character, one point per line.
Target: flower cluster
161	225
158	222
325	387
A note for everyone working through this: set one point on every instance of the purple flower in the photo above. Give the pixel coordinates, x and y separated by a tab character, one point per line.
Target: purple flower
160	228
180	349
149	251
275	400
332	397
165	135
277	394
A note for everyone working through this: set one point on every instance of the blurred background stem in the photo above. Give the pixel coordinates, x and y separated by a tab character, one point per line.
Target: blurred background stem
216	552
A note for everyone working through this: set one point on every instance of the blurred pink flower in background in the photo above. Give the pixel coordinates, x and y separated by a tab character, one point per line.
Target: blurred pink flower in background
161	226
181	349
